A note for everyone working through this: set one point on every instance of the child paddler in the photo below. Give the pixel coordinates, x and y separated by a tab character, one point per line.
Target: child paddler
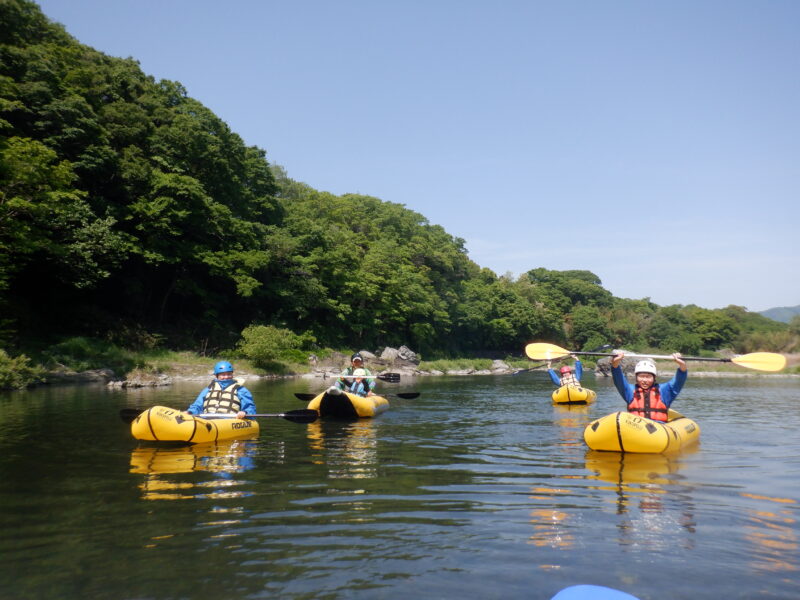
648	398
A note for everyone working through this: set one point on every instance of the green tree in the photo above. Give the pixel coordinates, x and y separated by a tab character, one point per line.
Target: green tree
714	327
43	219
265	344
588	326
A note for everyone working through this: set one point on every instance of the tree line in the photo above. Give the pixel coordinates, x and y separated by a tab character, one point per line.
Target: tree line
130	212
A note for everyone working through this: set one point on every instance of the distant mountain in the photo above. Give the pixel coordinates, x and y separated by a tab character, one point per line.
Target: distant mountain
783	314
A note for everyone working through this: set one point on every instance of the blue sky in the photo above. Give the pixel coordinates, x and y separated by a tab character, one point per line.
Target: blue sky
656	144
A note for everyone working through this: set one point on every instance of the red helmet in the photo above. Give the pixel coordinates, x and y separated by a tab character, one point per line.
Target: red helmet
566	369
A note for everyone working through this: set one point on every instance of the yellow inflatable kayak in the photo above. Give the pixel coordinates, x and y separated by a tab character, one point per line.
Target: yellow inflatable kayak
344	405
624	432
570	394
162	424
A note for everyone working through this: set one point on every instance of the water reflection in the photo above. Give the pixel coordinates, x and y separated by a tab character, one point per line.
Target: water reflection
571	420
550	527
163	465
550	522
655	513
628	470
348	449
773	533
480	492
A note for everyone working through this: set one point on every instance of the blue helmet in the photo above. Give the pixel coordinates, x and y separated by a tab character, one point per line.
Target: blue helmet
223	366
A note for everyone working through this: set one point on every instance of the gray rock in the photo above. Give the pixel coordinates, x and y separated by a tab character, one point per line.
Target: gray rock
64	375
389	354
139	379
408	354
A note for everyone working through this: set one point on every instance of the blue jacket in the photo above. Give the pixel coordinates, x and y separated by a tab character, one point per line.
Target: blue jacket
669	391
557	380
359	388
244	395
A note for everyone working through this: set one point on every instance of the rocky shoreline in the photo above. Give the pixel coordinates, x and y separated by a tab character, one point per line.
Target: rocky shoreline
402	360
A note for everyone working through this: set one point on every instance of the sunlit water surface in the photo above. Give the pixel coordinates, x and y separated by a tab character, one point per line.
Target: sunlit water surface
479	488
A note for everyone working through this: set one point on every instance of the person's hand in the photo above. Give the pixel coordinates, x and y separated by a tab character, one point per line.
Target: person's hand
681	363
617	358
241	414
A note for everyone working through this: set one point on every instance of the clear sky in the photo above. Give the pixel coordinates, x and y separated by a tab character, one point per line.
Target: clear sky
656	144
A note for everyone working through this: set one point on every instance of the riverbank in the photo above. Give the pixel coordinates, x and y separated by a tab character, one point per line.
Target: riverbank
179	372
166	368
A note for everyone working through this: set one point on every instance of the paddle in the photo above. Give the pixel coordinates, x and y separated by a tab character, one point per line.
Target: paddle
389	377
760	361
295	416
404	395
603	347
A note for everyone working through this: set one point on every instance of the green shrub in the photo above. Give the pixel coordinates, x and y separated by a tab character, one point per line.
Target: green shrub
135	337
264	345
456	364
82	354
16	372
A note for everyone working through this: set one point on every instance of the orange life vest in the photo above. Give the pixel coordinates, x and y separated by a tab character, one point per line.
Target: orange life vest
650	405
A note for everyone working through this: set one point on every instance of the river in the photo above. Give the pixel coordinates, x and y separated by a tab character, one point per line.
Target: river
479	488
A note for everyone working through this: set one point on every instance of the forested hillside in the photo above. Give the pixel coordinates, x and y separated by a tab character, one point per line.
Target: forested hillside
785	314
130	212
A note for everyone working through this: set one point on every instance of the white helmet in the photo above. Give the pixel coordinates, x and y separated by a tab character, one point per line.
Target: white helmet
646	366
360	373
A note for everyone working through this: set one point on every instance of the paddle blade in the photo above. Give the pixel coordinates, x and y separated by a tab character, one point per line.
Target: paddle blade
407	395
545	351
305	397
300	416
390	377
761	361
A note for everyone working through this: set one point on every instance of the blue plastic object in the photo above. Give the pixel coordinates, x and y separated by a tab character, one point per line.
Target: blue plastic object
592	592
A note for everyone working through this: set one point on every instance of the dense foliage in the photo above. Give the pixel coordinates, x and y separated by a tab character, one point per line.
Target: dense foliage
130	212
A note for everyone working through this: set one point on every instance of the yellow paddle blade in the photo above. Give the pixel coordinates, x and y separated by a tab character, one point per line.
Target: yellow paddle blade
761	361
545	351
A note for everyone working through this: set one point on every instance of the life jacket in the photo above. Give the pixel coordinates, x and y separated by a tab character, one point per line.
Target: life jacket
359	388
347	384
219	400
570	379
649	406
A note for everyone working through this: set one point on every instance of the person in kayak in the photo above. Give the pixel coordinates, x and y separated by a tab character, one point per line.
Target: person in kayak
648	398
359	387
224	395
345	381
567	375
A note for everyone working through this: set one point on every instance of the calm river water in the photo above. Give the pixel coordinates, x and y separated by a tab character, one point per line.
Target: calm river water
479	488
